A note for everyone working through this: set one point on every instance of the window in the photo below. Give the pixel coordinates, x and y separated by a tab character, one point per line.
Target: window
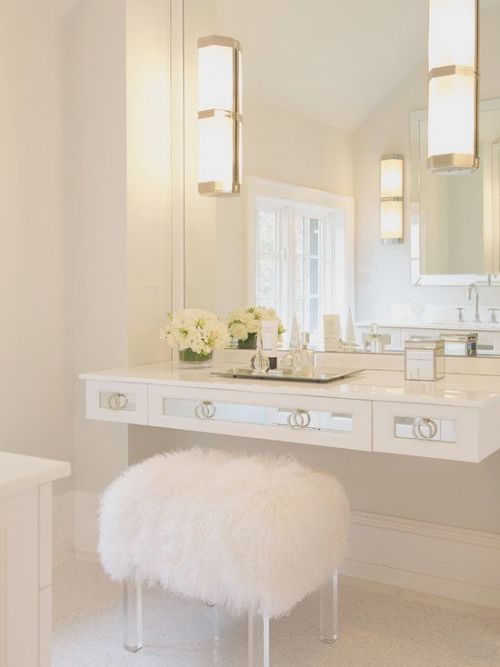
298	255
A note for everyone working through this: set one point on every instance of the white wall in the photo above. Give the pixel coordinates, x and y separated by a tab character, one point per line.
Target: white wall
96	180
383	272
117	166
36	394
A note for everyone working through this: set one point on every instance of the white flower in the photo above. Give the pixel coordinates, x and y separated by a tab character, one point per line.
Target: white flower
245	321
197	329
239	331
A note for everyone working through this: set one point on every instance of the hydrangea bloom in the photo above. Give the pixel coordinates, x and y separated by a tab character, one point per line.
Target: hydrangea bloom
246	321
195	329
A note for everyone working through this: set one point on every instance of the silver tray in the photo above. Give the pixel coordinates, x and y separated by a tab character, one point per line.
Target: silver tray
316	376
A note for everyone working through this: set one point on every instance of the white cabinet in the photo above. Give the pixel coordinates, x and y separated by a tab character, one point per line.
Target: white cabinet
26	559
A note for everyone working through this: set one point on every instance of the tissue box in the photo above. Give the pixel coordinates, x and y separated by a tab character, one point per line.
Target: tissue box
424	359
460	345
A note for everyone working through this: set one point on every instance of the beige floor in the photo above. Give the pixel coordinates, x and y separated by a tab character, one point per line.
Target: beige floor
381	626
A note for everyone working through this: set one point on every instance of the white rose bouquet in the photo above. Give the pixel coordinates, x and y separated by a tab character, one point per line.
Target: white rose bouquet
197	333
245	323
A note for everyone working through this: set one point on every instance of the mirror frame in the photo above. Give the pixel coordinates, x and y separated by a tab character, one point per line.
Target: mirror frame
417	276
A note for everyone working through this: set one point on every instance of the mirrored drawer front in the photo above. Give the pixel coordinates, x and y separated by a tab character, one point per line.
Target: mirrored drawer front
204	410
432	431
314	420
125	402
342	422
425	428
255	414
298	418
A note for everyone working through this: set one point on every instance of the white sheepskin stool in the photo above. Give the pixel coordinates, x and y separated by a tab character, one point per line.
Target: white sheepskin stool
252	534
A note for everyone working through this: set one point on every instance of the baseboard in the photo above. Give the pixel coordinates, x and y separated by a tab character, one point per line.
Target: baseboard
455	563
450	562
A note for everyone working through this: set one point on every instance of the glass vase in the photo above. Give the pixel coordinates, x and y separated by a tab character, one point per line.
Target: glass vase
249	343
190	359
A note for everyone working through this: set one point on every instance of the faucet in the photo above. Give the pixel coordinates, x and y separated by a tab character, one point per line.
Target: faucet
473	288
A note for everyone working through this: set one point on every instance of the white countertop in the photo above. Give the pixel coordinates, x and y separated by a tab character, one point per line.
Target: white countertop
454	390
18	472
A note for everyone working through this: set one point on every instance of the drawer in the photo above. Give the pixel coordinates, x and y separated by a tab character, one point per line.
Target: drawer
313	420
432	431
125	402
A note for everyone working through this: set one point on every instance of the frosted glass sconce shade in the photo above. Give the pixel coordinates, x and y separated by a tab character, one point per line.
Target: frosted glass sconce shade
391	198
219	116
453	86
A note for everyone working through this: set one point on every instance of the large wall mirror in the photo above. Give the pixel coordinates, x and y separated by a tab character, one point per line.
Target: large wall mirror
324	97
455	220
287	241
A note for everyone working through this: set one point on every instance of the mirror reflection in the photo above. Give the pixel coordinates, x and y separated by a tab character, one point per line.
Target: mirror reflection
456	218
303	237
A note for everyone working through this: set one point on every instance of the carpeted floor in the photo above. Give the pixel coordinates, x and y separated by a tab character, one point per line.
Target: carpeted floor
381	627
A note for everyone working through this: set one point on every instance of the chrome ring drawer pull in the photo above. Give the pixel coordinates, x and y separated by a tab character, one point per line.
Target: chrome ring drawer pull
205	410
299	419
118	401
425	429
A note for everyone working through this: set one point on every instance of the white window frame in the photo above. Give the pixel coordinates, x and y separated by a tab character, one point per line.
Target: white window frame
343	205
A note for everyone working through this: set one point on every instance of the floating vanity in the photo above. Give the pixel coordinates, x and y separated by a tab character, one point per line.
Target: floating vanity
375	411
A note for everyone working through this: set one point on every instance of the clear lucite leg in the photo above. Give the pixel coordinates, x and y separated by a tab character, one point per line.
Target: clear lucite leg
329	610
215	614
258	641
132	615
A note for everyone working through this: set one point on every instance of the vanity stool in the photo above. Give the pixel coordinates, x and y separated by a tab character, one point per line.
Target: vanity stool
252	534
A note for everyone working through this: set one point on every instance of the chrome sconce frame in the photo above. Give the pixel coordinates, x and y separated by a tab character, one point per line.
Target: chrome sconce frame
227	126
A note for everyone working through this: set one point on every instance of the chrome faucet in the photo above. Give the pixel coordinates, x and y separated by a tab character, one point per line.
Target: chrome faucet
473	288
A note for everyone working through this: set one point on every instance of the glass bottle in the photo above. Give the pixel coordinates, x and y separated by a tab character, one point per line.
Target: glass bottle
307	355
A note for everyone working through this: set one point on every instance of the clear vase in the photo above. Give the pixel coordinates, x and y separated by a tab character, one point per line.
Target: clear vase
190	359
250	343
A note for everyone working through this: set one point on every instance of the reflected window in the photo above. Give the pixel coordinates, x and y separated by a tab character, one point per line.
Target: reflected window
295	261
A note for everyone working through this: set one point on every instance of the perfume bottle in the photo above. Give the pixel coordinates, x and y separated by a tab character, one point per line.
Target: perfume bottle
260	360
290	362
307	355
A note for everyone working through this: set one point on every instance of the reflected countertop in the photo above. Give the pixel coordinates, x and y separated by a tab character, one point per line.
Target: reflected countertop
442	326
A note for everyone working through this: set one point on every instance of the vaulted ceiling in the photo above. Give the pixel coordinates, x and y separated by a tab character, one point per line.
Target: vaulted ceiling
333	60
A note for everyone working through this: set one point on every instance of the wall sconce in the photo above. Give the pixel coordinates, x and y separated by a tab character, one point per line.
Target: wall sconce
453	86
391	198
219	116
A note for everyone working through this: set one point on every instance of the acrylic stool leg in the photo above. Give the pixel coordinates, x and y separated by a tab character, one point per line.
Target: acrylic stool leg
258	641
329	610
132	615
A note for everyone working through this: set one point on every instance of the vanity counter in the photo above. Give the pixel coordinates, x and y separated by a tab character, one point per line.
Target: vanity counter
373	385
456	418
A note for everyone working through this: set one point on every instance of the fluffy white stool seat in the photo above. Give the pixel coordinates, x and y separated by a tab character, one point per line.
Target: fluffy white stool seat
251	533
